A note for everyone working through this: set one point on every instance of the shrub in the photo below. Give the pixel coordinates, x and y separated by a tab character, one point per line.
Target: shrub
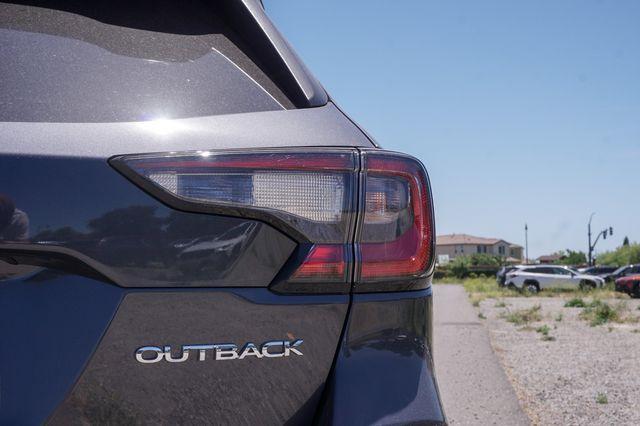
576	302
459	267
523	316
544	329
483	259
571	257
623	255
463	266
601	398
599	312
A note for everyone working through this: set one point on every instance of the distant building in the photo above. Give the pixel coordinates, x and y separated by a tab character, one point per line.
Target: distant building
550	258
453	245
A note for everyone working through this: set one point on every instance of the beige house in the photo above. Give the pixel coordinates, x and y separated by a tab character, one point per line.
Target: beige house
453	245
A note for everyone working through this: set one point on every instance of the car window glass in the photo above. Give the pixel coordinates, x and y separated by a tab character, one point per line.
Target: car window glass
620	270
57	66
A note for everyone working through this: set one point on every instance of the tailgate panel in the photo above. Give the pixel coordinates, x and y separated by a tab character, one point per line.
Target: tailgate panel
100	268
273	390
50	325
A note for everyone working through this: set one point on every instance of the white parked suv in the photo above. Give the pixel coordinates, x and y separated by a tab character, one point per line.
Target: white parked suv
534	278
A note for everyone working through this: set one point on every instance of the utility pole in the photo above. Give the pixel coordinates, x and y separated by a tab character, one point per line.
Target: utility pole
526	244
589	232
602	234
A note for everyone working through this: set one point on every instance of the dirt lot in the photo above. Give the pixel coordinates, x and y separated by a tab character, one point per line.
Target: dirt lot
473	385
565	370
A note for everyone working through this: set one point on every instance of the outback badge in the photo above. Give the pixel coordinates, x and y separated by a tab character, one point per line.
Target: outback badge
219	351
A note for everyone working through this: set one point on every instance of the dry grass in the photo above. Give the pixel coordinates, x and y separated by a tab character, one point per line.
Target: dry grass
598	309
598	312
480	289
523	316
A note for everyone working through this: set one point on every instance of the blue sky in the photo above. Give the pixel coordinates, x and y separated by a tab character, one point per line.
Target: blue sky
521	111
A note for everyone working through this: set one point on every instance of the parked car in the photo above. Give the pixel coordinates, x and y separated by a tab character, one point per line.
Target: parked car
236	249
629	284
501	275
624	271
536	278
603	271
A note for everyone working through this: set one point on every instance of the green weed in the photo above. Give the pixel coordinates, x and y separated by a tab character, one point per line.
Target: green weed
523	316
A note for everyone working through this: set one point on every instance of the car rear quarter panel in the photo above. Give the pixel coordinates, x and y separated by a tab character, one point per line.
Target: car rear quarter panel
384	369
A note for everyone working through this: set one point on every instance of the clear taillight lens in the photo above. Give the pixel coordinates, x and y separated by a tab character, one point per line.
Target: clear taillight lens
310	194
317	197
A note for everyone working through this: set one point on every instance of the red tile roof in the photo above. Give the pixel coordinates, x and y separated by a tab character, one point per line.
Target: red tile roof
457	239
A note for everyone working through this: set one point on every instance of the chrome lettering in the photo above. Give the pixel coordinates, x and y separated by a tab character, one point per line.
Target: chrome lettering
221	351
291	347
226	351
159	354
202	350
250	350
170	358
273	344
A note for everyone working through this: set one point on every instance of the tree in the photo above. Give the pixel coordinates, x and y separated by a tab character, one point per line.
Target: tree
461	266
571	257
623	255
484	259
626	241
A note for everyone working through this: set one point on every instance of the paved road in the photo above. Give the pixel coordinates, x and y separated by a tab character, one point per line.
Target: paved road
473	385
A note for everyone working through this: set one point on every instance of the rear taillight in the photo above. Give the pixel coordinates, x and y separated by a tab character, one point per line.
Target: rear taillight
396	235
314	196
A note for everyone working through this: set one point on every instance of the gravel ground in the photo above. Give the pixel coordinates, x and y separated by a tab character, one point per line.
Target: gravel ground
560	381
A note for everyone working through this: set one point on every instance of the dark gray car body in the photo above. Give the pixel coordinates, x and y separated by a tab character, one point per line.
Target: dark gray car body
100	266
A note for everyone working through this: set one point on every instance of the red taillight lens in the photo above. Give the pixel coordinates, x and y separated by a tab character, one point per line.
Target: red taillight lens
397	230
324	261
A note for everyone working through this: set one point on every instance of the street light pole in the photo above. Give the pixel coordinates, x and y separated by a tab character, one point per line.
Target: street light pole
526	244
589	232
602	234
